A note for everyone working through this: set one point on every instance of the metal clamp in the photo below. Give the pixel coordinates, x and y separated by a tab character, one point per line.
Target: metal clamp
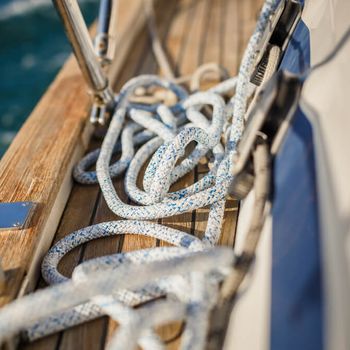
278	33
269	118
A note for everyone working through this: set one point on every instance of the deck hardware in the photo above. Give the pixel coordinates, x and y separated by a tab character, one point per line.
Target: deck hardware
15	215
277	33
78	36
106	32
270	116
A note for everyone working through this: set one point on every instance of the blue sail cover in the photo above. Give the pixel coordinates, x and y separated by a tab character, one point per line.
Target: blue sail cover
296	296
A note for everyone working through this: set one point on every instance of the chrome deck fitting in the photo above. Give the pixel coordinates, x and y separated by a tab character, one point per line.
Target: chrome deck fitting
15	215
78	35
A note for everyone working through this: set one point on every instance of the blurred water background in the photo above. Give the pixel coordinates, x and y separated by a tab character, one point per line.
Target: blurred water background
33	47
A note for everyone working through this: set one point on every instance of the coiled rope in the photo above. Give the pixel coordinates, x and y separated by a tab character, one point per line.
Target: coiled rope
187	274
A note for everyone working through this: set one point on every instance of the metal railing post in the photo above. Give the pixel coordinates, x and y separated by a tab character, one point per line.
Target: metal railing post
78	35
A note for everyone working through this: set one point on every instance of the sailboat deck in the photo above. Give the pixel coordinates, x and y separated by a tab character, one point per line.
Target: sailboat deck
194	32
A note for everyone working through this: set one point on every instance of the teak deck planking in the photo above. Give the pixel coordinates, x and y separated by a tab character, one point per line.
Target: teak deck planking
193	32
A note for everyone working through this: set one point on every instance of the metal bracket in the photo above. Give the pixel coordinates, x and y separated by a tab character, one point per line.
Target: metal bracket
278	33
15	215
270	118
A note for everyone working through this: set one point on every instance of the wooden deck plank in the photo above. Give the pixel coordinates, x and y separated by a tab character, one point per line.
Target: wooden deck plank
188	36
248	12
192	53
165	13
213	40
176	41
130	23
230	57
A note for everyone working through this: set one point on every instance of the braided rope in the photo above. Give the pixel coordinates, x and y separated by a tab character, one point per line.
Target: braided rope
189	273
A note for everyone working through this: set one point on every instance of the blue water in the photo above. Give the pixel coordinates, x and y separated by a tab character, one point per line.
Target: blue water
33	47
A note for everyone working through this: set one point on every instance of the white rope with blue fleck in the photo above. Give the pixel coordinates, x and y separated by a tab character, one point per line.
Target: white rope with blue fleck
187	274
